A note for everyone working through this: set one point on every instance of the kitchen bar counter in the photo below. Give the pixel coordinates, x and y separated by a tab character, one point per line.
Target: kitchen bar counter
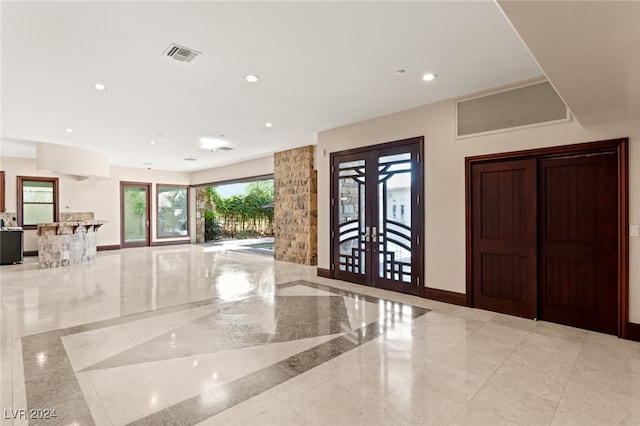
66	243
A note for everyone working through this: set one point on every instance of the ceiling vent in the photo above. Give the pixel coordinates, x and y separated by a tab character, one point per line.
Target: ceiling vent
180	53
529	105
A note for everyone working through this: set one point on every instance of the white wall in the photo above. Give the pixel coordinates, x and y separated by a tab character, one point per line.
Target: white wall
101	196
444	179
246	169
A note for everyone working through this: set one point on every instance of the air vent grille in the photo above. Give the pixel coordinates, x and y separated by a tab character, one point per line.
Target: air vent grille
522	106
180	53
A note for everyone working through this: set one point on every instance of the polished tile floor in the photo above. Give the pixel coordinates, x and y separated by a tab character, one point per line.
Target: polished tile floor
189	335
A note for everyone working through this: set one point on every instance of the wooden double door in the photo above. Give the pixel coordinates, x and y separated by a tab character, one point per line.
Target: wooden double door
546	235
377	216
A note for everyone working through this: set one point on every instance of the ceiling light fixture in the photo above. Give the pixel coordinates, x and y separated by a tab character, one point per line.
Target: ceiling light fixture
152	141
400	72
100	86
251	78
215	144
429	76
68	130
268	124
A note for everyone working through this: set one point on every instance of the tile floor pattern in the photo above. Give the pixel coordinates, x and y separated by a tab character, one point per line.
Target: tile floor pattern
190	335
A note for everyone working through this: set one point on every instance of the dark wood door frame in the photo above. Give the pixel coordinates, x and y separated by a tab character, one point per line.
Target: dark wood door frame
620	147
147	219
417	228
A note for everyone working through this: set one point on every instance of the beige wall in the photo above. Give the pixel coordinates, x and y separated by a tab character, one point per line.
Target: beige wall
246	169
101	196
444	179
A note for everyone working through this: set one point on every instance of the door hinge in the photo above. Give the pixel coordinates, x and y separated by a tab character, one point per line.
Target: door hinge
333	169
333	201
333	266
418	240
418	199
333	234
418	158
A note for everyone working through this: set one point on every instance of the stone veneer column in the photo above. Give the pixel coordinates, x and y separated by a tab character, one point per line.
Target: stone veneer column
200	207
295	207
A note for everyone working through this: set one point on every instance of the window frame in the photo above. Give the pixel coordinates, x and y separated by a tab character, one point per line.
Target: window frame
2	191
20	198
157	211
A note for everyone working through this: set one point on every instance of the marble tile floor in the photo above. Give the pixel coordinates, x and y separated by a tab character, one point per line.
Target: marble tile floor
186	335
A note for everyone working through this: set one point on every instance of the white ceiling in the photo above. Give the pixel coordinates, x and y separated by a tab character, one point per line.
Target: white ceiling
589	50
321	64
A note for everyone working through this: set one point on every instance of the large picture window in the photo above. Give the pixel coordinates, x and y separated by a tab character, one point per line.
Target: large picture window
173	211
37	201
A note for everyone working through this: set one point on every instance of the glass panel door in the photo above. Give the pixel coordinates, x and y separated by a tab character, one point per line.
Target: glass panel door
135	214
377	216
351	220
394	217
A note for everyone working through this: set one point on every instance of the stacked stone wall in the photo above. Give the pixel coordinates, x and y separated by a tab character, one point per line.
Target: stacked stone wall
200	208
295	206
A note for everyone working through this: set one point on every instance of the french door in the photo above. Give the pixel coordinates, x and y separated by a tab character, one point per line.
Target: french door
134	214
377	216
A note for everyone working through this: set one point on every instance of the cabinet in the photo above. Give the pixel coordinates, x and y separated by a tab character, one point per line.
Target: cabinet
11	247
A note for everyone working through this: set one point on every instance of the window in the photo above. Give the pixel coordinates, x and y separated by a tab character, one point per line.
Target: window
37	201
173	214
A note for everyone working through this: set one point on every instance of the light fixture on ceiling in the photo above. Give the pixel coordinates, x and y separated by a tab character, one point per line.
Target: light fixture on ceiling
190	158
100	86
68	130
152	141
268	124
429	76
400	72
251	78
215	144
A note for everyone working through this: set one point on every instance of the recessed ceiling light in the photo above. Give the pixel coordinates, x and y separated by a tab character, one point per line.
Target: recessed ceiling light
152	141
400	72
100	86
251	78
268	124
429	76
68	130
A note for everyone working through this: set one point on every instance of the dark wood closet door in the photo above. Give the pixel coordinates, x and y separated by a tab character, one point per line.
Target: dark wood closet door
504	237
579	241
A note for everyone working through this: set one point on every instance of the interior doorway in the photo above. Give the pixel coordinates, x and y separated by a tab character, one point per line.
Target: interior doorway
547	234
378	215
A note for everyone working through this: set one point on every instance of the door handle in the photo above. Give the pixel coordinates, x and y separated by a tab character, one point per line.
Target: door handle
367	237
374	235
